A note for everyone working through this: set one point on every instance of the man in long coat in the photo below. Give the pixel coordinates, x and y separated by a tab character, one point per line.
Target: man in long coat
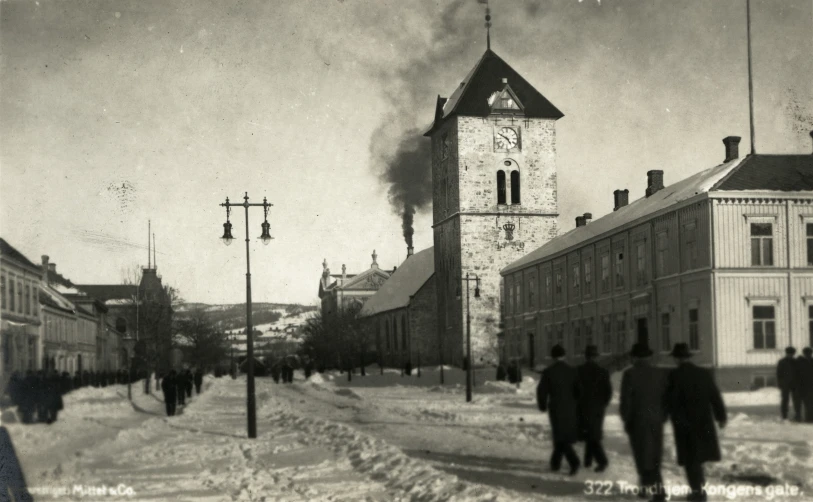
786	379
596	393
805	373
694	403
643	413
558	394
170	388
198	380
180	386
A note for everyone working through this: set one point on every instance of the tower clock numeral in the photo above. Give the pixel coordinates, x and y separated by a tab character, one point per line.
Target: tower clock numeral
506	138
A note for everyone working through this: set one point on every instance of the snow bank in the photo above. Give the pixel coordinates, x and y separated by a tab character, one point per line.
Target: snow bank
378	460
762	397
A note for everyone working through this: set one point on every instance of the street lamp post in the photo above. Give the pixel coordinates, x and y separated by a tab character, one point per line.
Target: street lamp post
251	405
232	367
476	280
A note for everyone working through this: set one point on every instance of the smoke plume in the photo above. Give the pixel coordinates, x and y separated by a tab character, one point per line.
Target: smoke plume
398	147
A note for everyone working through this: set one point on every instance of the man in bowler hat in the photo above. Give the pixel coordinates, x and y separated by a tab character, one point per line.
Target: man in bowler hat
786	378
643	412
558	394
596	393
694	403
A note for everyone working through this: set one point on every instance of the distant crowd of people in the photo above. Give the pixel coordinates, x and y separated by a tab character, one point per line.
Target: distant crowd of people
576	400
178	385
794	376
38	394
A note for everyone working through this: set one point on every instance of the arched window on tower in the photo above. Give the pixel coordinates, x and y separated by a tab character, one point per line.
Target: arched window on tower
501	187
514	187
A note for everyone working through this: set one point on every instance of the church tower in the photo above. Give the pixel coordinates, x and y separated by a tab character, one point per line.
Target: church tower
494	195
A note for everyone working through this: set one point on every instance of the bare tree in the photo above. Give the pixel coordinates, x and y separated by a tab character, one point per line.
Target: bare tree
205	345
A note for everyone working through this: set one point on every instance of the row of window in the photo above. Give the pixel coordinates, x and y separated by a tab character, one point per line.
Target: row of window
612	333
393	337
612	274
20	297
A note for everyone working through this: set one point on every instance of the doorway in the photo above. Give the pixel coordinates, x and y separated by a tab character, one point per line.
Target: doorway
643	331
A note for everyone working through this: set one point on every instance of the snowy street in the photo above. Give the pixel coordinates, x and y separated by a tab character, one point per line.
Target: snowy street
376	438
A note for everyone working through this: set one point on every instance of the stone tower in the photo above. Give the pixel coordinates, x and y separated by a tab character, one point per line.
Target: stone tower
494	195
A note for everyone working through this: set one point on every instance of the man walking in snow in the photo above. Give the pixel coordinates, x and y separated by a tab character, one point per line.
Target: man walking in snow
596	393
169	386
643	413
805	374
558	394
786	378
198	380
694	403
180	386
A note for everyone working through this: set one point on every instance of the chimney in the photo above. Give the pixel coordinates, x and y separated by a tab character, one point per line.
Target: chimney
580	221
587	217
654	181
52	267
45	268
410	251
811	134
732	147
621	198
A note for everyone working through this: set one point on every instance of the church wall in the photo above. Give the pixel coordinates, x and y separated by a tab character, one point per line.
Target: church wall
478	164
485	251
422	322
486	246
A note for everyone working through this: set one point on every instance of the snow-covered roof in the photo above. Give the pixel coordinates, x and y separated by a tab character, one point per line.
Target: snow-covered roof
405	282
644	207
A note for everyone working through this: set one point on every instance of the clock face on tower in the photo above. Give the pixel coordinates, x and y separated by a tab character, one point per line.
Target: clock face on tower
506	138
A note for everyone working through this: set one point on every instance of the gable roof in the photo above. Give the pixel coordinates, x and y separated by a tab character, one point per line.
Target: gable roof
370	279
754	172
471	97
404	282
105	292
784	173
11	253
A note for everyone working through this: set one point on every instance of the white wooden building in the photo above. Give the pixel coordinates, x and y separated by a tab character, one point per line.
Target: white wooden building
721	260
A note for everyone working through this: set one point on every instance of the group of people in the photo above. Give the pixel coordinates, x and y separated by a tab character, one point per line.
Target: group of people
178	385
576	400
794	375
38	394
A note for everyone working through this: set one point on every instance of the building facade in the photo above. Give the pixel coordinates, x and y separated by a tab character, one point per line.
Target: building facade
722	260
342	291
493	146
402	314
137	325
20	340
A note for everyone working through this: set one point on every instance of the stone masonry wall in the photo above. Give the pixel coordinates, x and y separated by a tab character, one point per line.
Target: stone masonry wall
469	224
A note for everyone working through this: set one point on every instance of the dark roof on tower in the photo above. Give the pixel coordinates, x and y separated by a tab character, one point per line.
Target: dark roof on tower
471	98
783	173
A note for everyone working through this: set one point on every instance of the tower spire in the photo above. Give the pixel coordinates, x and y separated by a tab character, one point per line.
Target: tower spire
154	259
488	24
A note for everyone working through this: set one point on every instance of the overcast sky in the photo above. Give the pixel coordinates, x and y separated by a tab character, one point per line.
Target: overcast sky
114	112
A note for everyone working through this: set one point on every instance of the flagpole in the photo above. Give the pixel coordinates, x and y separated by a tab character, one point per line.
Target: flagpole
750	76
